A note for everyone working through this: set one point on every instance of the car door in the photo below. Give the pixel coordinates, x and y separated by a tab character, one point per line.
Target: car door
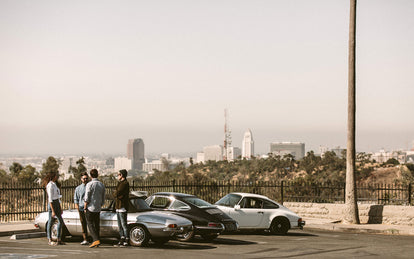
109	223
250	214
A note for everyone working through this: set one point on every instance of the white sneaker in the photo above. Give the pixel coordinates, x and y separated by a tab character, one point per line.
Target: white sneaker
84	243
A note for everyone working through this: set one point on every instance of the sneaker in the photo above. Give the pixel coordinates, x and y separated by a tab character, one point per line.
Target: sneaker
119	244
84	243
126	242
95	244
51	243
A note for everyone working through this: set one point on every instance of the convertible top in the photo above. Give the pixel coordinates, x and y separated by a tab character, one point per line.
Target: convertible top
139	194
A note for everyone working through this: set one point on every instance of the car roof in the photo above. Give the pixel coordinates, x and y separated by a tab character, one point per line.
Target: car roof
174	194
250	195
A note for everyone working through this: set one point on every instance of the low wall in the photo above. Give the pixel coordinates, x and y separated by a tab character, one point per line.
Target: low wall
368	213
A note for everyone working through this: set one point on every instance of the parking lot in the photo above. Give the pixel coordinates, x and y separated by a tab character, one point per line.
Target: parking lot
307	243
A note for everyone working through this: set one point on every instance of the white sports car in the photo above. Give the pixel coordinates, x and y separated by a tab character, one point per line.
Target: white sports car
253	211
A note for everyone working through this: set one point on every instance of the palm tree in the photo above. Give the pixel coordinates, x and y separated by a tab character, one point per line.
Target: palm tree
351	206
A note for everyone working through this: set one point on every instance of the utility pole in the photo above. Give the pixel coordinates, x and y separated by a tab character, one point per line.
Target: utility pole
351	205
227	137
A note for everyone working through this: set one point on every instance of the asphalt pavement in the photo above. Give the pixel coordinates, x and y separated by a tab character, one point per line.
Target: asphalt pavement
26	229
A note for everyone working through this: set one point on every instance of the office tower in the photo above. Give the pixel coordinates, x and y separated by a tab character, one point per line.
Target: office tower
233	153
136	152
297	149
214	153
248	145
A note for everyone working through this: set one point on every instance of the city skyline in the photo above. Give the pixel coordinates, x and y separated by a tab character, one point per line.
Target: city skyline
83	77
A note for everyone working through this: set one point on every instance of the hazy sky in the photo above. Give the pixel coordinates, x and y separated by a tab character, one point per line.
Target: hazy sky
86	76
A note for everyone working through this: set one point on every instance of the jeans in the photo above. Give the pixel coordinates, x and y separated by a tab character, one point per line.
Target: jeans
122	224
93	219
58	214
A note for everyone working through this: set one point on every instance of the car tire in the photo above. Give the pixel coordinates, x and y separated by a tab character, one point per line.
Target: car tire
53	232
209	237
138	235
279	226
186	237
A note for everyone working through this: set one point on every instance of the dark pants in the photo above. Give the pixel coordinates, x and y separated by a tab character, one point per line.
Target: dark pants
82	218
93	224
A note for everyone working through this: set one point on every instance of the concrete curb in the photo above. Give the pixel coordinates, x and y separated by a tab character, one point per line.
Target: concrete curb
19	232
28	235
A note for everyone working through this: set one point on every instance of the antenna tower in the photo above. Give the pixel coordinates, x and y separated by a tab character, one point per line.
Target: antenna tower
227	136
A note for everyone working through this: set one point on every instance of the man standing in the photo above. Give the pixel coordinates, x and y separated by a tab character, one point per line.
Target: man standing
121	195
78	199
94	199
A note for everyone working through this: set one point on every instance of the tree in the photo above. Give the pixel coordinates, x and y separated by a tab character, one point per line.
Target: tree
81	168
28	175
15	170
351	206
4	177
310	162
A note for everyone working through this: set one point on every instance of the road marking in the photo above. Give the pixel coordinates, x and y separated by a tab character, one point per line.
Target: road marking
21	256
49	249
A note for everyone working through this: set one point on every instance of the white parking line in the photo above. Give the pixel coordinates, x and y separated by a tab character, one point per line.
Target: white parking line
59	250
21	256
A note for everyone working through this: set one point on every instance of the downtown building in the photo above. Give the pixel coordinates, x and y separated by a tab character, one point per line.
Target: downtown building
296	149
136	153
247	145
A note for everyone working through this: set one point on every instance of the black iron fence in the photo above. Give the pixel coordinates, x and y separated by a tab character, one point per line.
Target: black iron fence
23	201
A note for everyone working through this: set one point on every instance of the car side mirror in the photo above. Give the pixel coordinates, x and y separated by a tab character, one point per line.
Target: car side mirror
237	207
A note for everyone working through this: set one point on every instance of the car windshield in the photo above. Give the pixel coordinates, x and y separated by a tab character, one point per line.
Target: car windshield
138	204
230	200
197	202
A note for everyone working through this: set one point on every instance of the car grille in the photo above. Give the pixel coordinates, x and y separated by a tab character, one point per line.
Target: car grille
230	226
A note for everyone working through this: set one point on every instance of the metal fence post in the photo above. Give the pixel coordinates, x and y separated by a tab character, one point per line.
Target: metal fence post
409	194
44	199
173	185
281	191
344	186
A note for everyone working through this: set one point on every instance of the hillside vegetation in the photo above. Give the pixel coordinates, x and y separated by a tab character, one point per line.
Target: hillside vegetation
311	169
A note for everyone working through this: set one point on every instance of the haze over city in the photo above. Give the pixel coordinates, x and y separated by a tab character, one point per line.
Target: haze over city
86	76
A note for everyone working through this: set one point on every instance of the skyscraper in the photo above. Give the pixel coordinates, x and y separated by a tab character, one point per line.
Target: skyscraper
248	145
297	149
136	152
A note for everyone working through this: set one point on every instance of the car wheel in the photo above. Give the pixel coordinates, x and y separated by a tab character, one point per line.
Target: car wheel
186	237
54	230
209	237
279	226
160	240
138	236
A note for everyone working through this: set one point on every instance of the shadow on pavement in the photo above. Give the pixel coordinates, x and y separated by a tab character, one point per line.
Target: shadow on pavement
266	233
223	241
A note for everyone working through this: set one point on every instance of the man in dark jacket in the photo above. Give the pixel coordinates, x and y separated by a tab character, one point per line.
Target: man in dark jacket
121	196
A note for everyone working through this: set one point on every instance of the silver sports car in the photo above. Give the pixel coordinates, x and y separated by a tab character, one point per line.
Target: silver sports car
143	223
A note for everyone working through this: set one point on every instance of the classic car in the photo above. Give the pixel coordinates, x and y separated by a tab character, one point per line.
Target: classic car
143	222
253	211
208	221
